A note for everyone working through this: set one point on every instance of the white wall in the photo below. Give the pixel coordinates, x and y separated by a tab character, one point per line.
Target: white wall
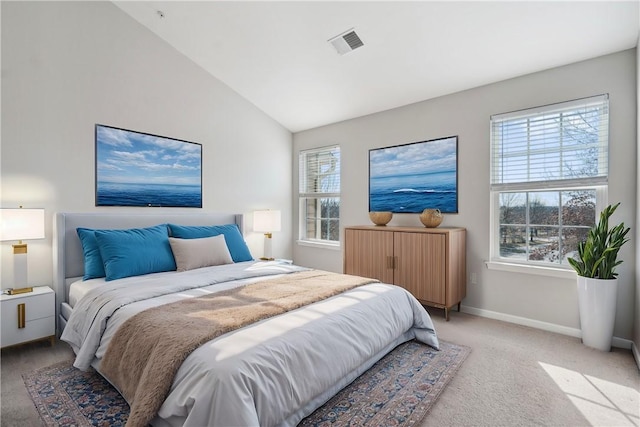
544	300
69	65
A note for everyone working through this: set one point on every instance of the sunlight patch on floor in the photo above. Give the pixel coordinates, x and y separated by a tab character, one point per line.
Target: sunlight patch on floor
603	403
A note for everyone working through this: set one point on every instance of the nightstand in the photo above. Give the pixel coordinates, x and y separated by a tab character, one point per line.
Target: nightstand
28	317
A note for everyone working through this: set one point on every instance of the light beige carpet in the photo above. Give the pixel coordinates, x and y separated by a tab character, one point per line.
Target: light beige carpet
514	376
520	376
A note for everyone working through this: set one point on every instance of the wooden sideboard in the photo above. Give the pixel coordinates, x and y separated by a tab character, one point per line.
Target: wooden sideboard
428	262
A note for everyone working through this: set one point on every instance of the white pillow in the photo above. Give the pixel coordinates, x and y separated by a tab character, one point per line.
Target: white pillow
196	253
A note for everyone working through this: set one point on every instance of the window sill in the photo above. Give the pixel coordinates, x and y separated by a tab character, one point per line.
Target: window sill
531	269
319	244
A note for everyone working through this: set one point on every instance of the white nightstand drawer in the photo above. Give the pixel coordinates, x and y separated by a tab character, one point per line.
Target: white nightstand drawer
36	329
36	307
27	317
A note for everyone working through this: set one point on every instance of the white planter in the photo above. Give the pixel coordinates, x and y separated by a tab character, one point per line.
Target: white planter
597	305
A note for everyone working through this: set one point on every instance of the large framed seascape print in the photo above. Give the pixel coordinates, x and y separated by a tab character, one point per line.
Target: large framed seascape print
141	169
409	178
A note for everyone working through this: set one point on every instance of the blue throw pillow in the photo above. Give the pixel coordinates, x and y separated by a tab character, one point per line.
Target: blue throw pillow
93	265
135	251
235	242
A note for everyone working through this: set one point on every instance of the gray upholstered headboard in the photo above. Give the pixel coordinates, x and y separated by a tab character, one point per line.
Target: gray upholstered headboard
68	261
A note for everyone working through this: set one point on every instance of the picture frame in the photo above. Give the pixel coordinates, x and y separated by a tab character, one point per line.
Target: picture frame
409	178
141	169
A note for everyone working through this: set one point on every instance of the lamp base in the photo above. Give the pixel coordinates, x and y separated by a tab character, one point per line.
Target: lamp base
19	291
267	248
20	269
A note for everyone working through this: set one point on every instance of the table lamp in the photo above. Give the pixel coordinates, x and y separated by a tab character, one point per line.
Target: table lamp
266	221
21	224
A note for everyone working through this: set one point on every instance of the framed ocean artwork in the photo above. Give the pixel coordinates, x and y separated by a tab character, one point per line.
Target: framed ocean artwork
142	169
409	178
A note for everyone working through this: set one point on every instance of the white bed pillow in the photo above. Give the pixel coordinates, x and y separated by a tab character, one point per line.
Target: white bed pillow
196	253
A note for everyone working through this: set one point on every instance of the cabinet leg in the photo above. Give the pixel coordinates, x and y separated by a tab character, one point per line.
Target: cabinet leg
446	314
458	307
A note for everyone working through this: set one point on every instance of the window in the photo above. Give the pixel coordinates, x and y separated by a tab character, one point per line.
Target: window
320	195
549	170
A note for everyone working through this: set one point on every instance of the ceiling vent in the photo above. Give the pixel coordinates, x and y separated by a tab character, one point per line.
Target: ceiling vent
346	42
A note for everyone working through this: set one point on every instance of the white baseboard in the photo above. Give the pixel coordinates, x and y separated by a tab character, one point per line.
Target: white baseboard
636	353
622	343
551	327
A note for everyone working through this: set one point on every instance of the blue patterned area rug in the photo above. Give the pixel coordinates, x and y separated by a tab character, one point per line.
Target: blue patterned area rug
400	389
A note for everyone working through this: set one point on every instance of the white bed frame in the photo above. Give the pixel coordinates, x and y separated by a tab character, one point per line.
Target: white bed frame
68	263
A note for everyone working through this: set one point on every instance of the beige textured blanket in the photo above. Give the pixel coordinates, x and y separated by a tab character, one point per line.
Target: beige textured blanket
147	350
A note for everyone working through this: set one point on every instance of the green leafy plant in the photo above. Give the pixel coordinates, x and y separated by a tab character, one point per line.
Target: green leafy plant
598	255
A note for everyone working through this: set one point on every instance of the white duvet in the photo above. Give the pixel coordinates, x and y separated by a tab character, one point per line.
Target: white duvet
272	373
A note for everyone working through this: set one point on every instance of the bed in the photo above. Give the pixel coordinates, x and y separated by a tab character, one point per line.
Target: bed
272	371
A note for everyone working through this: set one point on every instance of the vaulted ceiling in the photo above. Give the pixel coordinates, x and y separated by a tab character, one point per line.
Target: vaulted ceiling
277	54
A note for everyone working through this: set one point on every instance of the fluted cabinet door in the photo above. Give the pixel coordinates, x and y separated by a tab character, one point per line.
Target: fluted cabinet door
428	262
421	265
369	254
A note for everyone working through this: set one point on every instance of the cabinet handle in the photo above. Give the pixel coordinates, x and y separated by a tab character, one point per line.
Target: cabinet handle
392	262
21	315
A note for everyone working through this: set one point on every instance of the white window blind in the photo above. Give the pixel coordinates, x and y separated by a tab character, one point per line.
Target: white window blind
320	172
553	146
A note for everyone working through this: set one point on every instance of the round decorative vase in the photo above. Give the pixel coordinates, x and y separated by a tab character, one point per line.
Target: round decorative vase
597	306
380	218
431	218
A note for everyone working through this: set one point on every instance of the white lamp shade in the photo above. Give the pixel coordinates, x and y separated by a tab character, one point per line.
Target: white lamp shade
21	224
266	221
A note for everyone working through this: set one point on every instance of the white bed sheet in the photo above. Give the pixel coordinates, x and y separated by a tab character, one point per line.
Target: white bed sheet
277	371
80	288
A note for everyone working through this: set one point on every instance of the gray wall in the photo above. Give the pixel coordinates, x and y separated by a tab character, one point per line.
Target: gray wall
69	65
541	301
636	325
